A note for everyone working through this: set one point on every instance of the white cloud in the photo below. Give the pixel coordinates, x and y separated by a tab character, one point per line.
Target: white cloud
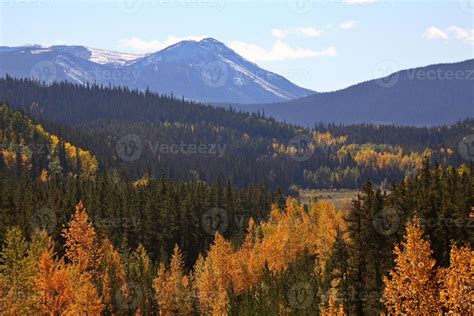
278	33
457	32
347	25
279	51
309	31
435	33
360	2
143	46
462	34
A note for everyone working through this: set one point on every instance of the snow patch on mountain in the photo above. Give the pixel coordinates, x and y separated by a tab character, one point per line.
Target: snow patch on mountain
107	57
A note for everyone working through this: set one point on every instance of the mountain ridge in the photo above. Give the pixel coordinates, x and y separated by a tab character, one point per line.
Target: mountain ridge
205	71
429	95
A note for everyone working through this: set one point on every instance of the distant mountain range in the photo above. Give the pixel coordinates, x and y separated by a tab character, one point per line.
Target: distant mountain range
206	71
431	95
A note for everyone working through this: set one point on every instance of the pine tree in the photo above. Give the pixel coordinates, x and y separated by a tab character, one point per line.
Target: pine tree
140	274
113	283
336	274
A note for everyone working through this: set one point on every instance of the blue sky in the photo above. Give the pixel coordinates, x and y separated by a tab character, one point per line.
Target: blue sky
323	45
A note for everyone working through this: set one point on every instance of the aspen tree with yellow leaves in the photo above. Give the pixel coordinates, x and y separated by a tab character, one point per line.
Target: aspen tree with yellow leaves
457	282
332	309
412	288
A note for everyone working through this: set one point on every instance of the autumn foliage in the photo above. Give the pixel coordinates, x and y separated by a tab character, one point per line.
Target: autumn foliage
417	287
173	288
95	278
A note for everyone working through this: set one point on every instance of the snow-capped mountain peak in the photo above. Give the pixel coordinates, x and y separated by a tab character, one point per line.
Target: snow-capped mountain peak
205	70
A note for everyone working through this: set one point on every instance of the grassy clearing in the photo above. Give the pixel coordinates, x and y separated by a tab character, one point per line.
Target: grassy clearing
340	198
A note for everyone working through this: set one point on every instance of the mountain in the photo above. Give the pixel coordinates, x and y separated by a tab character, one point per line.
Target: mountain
206	71
431	95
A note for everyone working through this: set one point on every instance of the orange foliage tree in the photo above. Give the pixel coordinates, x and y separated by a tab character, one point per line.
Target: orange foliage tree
173	288
81	242
456	282
411	288
212	278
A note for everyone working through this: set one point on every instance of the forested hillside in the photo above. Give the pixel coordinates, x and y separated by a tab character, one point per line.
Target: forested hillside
195	232
26	147
425	96
189	141
311	260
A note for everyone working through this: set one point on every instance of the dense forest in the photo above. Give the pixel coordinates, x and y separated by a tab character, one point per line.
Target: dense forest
193	142
300	259
87	230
